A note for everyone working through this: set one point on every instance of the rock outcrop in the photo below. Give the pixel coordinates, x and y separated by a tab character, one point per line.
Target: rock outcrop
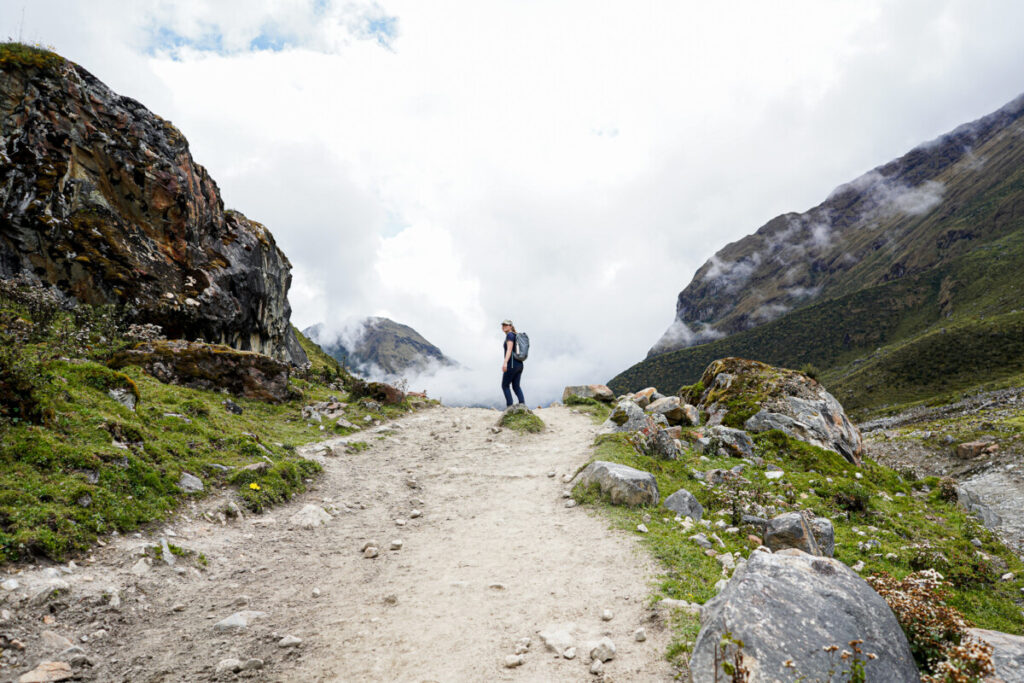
101	198
759	397
685	504
789	606
813	535
627	416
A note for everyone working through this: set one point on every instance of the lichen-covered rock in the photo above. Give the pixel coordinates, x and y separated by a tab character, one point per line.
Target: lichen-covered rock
1007	654
663	445
671	407
643	397
378	391
622	485
685	504
627	416
598	392
210	366
101	198
759	397
789	607
736	442
813	535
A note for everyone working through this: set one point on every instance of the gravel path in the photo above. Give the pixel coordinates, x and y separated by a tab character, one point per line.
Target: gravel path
493	558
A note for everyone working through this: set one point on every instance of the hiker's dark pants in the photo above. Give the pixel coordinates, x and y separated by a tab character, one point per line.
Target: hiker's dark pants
511	377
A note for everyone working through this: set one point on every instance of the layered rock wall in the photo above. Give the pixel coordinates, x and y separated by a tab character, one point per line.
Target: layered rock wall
101	198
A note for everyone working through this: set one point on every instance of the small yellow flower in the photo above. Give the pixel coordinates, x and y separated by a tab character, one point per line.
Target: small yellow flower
254	486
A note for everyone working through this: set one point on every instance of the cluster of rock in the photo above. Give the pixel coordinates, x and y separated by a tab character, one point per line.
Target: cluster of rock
101	198
790	591
777	398
569	641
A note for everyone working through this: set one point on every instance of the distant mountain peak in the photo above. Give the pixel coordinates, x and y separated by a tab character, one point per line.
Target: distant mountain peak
379	347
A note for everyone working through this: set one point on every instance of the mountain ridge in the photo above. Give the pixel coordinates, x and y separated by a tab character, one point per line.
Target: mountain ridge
901	217
853	285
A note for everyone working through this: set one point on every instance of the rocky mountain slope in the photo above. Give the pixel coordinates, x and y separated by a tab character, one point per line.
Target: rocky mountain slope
379	345
932	240
101	198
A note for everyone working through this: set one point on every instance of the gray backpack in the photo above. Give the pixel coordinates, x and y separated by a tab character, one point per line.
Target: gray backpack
522	348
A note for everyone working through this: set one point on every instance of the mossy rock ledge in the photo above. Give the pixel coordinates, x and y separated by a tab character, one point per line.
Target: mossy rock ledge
210	366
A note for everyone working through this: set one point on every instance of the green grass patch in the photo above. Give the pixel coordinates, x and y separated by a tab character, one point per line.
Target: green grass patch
95	466
597	410
522	421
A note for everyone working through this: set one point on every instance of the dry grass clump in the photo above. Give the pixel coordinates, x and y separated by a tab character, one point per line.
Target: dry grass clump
939	641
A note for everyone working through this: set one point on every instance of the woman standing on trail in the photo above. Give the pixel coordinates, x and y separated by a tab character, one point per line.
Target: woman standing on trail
511	369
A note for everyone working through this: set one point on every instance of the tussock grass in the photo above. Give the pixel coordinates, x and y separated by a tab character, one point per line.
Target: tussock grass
522	421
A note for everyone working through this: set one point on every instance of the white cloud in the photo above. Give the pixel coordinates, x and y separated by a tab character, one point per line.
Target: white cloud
566	164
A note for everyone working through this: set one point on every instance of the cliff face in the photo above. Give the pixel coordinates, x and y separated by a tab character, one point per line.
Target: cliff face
937	202
101	198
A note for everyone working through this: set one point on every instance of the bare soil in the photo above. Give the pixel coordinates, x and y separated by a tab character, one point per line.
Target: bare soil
494	558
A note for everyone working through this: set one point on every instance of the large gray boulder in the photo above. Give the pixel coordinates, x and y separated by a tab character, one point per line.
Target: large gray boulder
813	535
683	503
972	503
1007	654
789	606
820	422
598	392
621	484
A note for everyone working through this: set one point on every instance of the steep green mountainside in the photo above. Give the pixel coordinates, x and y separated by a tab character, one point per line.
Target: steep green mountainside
929	308
380	344
936	203
947	329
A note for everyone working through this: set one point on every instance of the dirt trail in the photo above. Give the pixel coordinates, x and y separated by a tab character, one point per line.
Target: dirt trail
494	558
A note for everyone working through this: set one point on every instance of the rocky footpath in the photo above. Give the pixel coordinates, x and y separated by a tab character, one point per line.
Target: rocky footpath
439	518
101	198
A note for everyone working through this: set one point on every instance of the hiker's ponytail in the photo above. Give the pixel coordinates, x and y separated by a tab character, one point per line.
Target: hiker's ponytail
513	329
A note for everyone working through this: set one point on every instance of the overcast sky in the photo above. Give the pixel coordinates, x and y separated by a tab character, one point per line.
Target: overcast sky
565	164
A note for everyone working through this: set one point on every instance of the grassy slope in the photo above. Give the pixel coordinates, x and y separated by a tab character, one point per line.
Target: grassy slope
982	201
64	484
914	526
885	344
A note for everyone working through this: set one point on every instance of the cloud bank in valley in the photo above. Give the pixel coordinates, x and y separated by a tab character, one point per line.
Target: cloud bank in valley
448	164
